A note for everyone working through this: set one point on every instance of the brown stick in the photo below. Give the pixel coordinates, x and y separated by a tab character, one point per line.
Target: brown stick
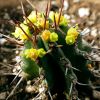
60	13
46	13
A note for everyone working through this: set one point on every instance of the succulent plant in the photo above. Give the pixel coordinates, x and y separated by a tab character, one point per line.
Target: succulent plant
50	43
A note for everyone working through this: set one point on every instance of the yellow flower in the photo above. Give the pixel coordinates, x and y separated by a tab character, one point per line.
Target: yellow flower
31	53
70	39
20	34
63	20
41	52
73	31
46	35
32	17
41	22
53	37
72	35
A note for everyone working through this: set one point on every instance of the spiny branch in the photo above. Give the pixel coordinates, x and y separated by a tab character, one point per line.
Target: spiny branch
60	13
31	4
49	7
12	40
55	24
46	13
24	31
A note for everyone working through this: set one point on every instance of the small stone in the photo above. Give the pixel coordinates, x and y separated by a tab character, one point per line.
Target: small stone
29	82
84	12
6	16
90	22
85	31
41	89
17	52
4	60
87	98
76	1
66	5
66	16
18	67
2	41
94	32
98	32
30	89
96	94
14	70
17	59
2	95
96	57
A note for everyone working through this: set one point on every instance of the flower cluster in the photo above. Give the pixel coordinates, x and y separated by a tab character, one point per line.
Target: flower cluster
37	19
34	53
49	36
72	35
44	24
19	33
61	21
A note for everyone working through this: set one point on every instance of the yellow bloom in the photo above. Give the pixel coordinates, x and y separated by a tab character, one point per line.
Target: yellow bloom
20	34
31	53
41	22
72	35
46	35
63	20
32	17
53	37
70	39
73	31
41	52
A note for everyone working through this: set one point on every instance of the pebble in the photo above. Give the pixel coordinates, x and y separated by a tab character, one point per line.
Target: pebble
41	89
94	32
66	16
96	57
2	95
2	41
17	52
96	94
76	1
66	5
6	16
30	89
99	32
17	59
85	31
83	12
28	82
5	61
90	22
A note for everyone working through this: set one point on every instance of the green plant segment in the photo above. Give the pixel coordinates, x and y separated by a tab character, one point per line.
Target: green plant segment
50	43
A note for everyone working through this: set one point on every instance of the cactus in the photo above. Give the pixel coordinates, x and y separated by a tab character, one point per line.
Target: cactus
50	43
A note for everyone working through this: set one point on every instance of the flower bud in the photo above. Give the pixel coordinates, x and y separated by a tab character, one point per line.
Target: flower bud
73	31
31	17
31	53
53	37
46	35
70	39
20	34
41	52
